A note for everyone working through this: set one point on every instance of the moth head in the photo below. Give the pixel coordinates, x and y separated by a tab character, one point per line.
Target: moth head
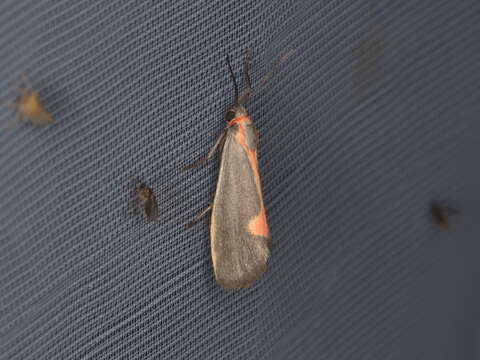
235	111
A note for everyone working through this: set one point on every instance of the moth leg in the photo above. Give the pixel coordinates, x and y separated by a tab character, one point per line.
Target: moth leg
199	216
210	154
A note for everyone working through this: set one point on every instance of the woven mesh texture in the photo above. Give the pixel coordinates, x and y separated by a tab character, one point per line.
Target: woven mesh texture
375	114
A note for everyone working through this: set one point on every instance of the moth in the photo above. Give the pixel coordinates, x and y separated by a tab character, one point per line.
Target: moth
240	240
28	107
440	214
145	201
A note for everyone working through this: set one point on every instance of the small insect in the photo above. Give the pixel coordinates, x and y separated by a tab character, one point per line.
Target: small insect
240	239
367	55
28	107
145	201
440	214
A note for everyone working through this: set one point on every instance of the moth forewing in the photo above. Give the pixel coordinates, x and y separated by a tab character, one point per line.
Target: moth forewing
239	235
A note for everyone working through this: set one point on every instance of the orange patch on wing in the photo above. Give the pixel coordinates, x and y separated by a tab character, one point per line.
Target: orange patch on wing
258	225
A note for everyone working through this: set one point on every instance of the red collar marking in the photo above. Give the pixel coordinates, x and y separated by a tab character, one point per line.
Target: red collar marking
239	119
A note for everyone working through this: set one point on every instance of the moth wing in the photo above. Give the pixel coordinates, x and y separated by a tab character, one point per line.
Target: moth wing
31	107
151	208
41	116
239	255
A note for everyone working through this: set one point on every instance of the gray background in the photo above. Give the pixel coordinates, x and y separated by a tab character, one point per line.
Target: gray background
375	115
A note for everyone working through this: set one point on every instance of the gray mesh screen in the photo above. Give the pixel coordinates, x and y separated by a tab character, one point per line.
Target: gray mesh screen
375	115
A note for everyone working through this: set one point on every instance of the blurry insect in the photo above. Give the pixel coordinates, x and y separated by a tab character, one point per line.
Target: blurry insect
368	55
240	240
145	200
28	107
440	214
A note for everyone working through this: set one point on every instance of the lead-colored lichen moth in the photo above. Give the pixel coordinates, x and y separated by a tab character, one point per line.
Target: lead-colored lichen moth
239	234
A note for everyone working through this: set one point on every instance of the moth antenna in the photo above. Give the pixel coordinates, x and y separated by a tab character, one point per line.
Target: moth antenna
275	66
232	75
247	66
247	79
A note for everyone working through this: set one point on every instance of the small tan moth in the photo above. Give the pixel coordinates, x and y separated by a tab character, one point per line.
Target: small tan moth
28	107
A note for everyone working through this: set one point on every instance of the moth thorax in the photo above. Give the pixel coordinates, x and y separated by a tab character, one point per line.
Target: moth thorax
144	193
30	104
